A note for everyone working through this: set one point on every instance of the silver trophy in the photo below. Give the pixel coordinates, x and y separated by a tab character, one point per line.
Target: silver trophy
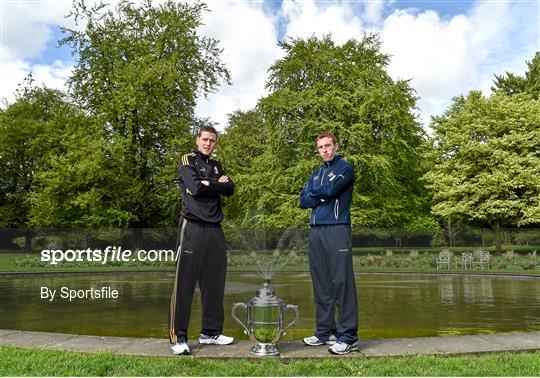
265	313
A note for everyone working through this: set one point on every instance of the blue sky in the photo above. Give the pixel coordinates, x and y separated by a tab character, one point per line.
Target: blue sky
445	9
446	48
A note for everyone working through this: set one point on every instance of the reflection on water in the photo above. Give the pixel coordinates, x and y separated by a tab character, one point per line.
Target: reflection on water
390	305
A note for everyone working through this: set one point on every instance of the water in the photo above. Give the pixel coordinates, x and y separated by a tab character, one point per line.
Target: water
390	305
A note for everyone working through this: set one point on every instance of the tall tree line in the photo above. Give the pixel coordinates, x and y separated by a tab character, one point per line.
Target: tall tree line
320	86
105	154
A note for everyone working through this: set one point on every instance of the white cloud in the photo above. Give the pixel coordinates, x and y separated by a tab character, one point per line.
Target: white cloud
15	70
249	38
308	18
27	26
373	11
446	58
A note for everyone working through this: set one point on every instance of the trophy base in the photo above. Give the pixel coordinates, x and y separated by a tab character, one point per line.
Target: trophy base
260	349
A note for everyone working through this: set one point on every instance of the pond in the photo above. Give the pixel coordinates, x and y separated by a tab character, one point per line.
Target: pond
390	305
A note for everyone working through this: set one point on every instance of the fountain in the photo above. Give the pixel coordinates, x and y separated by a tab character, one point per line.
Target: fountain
265	312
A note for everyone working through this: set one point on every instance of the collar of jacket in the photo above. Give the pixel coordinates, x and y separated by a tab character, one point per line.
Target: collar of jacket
201	155
337	157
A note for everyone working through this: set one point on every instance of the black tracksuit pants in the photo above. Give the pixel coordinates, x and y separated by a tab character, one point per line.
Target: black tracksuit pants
203	260
331	266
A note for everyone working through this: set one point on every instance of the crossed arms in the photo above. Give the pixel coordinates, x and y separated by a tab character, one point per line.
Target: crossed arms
312	196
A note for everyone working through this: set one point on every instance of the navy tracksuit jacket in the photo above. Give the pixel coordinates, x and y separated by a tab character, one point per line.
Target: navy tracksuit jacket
328	194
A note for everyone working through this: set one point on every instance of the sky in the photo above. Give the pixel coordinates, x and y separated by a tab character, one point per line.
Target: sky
445	48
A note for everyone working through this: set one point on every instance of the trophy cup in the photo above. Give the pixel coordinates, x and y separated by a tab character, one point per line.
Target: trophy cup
265	313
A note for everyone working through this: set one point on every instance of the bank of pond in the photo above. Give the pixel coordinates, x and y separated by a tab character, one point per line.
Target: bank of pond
390	305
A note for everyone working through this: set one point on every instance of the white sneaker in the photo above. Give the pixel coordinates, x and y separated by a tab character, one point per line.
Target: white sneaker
216	340
315	341
343	348
180	348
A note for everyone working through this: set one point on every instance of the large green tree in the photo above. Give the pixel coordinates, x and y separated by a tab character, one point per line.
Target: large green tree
511	84
31	130
487	162
139	72
320	86
242	141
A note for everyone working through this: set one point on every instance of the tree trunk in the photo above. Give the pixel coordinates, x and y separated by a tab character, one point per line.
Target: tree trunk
498	246
450	232
137	239
28	240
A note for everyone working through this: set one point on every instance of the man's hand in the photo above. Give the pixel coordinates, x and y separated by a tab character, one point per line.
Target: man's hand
223	179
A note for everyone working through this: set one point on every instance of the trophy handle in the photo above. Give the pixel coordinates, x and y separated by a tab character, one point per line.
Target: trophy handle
233	313
295	309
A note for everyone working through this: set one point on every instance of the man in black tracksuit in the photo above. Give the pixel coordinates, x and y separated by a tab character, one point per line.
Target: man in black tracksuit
202	251
328	194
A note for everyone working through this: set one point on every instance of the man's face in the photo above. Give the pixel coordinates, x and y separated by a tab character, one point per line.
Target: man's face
327	148
206	143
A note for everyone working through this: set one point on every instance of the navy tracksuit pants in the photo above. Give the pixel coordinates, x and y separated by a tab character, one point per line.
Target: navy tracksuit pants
203	260
334	288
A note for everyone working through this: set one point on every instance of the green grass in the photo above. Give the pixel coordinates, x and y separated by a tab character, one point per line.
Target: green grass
24	362
506	247
365	260
31	262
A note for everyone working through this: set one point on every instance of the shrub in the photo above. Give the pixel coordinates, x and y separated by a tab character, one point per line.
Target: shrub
414	255
293	257
372	260
476	254
510	256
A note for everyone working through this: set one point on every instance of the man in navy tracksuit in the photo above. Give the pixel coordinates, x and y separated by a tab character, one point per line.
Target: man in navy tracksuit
202	250
328	194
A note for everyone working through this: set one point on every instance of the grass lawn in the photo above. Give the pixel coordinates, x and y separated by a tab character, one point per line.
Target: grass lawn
24	362
365	260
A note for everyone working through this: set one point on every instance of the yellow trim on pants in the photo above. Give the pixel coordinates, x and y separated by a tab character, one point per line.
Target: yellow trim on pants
172	308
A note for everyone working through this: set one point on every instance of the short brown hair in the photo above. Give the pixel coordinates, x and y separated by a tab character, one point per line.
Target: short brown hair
327	134
208	129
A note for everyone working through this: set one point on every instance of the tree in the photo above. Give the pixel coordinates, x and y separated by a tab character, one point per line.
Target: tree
82	186
32	130
512	84
29	134
486	162
139	72
242	142
320	86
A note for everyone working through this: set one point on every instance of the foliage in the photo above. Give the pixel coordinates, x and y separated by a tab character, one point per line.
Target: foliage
32	131
139	72
512	84
370	260
243	141
320	86
486	163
